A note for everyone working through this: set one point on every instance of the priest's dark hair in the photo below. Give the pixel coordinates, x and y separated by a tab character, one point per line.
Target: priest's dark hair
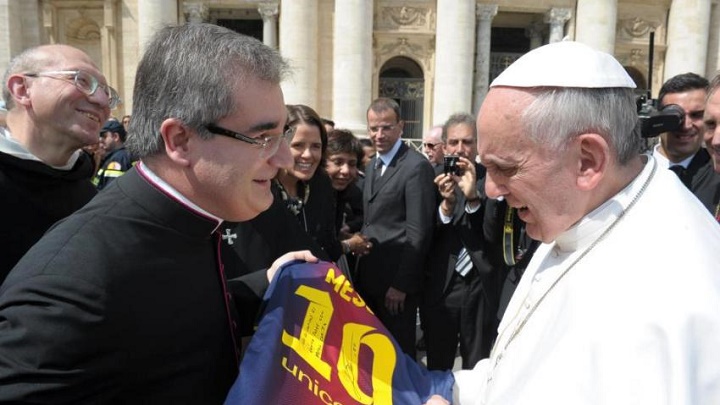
191	72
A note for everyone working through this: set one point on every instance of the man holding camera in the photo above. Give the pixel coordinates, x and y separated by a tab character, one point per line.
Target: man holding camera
682	150
457	306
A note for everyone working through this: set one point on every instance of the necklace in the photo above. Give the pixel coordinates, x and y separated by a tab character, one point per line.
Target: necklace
599	239
295	204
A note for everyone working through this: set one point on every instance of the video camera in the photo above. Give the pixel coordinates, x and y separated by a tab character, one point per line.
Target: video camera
654	121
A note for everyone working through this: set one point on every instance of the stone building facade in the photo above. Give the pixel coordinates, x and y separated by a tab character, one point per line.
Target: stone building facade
435	56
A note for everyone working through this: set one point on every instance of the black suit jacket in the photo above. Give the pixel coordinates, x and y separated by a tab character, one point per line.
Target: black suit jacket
399	214
702	180
464	230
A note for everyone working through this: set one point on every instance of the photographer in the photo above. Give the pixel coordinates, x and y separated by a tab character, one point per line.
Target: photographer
457	308
681	150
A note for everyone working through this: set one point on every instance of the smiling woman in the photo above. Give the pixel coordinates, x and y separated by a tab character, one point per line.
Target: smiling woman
304	187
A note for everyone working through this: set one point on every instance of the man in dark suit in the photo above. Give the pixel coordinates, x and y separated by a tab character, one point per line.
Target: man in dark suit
398	201
457	307
682	150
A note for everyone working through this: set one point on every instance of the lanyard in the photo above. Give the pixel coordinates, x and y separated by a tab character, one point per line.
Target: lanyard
508	248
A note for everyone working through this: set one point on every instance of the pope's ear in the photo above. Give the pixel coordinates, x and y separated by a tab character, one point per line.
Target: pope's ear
593	158
176	136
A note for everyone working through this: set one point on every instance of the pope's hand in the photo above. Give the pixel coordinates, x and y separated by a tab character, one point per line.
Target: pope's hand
437	400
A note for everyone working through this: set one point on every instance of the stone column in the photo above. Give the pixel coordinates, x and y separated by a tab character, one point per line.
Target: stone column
269	12
31	12
298	43
485	14
595	24
11	42
557	17
196	12
352	63
535	32
713	57
454	58
687	37
153	15
109	43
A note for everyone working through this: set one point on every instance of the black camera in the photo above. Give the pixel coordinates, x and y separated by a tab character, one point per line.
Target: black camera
654	121
450	165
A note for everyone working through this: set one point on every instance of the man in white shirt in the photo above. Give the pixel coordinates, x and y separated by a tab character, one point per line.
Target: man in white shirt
596	318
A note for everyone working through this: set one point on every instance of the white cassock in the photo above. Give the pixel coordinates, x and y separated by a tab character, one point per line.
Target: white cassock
636	319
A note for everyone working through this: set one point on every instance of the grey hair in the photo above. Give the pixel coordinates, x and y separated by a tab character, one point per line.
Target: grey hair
191	72
558	115
713	86
457	119
30	60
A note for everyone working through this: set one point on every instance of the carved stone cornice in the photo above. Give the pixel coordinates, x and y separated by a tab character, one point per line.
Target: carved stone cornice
268	10
558	15
486	12
405	18
83	29
421	48
402	46
637	27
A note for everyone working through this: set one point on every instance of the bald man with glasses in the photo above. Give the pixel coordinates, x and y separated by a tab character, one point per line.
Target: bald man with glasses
57	101
433	147
127	300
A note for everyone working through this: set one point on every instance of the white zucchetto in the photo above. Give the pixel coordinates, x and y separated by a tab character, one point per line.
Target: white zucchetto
565	64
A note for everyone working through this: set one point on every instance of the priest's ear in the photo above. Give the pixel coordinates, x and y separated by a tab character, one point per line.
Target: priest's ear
176	136
593	158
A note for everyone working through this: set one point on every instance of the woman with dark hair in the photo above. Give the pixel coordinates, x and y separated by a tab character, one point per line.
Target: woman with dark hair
304	188
303	212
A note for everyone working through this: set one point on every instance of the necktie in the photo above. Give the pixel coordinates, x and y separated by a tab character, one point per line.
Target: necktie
463	264
680	171
378	172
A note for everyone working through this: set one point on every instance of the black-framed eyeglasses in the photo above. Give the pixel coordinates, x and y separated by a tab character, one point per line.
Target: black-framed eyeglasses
268	144
83	81
431	145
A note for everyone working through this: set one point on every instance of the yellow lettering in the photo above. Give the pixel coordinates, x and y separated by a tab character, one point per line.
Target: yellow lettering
311	343
343	287
345	290
384	360
337	282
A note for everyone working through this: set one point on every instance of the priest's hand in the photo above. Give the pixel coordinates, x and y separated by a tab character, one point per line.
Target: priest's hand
304	255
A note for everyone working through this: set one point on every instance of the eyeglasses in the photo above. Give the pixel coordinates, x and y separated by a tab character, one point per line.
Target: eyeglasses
268	144
431	145
379	128
84	82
